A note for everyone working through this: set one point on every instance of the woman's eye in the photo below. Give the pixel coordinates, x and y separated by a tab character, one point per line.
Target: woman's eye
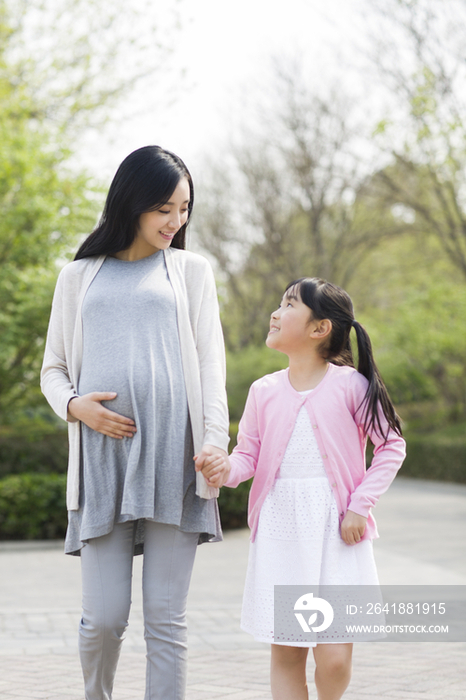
163	212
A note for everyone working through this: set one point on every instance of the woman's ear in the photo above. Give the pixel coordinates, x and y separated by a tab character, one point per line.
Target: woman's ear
321	329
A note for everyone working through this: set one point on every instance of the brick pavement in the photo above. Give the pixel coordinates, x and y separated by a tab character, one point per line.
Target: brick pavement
421	527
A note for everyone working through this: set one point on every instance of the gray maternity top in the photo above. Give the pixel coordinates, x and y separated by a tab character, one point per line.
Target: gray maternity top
131	346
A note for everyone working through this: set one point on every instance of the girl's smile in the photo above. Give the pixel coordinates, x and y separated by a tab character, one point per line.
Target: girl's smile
290	324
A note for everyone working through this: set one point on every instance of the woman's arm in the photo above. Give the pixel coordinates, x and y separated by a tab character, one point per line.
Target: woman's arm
56	383
211	356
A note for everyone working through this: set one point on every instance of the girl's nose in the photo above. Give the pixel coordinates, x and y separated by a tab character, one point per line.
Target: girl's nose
275	313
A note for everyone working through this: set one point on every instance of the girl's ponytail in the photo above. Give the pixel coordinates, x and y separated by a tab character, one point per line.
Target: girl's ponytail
326	300
377	394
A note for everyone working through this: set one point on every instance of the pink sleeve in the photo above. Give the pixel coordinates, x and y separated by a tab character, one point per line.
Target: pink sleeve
388	456
244	457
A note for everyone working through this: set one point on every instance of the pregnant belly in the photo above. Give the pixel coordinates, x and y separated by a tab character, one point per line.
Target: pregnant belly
138	389
112	379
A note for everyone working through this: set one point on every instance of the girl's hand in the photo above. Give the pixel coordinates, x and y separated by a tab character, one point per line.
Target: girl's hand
89	410
214	465
353	527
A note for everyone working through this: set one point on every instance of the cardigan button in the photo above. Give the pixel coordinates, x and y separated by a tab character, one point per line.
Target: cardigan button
314	426
333	485
341	513
324	457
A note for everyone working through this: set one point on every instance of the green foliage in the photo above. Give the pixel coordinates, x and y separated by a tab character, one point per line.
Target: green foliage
233	505
34	445
96	53
420	346
43	208
439	455
243	368
33	506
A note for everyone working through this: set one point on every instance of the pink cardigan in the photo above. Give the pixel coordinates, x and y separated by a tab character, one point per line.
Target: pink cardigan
336	417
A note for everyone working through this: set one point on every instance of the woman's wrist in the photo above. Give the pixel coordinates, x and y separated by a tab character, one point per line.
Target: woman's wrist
69	411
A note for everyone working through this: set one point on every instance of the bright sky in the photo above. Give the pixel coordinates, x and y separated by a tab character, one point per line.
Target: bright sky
225	49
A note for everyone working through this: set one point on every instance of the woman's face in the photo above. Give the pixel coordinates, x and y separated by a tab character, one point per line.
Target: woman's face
157	228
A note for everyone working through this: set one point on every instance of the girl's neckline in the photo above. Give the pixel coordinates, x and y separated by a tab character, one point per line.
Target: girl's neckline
329	371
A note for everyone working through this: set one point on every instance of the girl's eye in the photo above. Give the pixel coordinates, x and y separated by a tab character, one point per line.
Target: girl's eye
163	212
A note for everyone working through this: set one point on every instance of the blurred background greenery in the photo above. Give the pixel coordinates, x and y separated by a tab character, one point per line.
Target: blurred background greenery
315	185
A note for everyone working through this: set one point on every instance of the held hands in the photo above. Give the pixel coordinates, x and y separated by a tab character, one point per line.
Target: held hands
214	465
352	527
89	410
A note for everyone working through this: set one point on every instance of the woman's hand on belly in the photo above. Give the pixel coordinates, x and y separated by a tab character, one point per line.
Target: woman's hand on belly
89	410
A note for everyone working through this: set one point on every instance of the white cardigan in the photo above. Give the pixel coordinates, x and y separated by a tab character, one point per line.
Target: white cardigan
202	353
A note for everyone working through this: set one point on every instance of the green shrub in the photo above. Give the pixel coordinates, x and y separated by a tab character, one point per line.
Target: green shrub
34	442
439	456
33	506
243	368
233	505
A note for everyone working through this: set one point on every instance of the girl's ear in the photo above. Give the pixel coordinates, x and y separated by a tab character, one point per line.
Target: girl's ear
321	329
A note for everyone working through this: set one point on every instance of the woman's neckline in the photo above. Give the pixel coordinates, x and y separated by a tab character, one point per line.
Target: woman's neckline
139	260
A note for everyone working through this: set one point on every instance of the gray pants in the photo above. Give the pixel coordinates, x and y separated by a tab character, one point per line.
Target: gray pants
106	564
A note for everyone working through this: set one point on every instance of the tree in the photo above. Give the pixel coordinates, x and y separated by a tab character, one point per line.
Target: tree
73	60
291	202
420	58
52	85
42	210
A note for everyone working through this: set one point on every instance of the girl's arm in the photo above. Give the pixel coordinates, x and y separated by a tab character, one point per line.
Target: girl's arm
244	458
219	470
388	455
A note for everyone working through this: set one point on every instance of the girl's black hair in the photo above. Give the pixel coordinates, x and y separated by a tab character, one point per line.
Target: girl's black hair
326	300
145	181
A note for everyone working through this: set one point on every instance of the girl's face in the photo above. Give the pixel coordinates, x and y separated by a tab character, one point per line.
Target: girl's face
157	228
290	325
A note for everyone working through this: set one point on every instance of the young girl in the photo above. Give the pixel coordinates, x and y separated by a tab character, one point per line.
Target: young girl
303	437
135	363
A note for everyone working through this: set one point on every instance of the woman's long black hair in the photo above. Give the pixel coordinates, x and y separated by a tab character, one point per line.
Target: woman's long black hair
326	300
145	181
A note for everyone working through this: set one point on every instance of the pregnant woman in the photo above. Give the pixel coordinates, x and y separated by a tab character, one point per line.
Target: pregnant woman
134	361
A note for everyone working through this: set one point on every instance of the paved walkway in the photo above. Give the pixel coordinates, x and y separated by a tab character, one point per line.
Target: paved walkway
422	526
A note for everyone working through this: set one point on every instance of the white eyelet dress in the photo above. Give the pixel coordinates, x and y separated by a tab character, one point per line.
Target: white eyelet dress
298	539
